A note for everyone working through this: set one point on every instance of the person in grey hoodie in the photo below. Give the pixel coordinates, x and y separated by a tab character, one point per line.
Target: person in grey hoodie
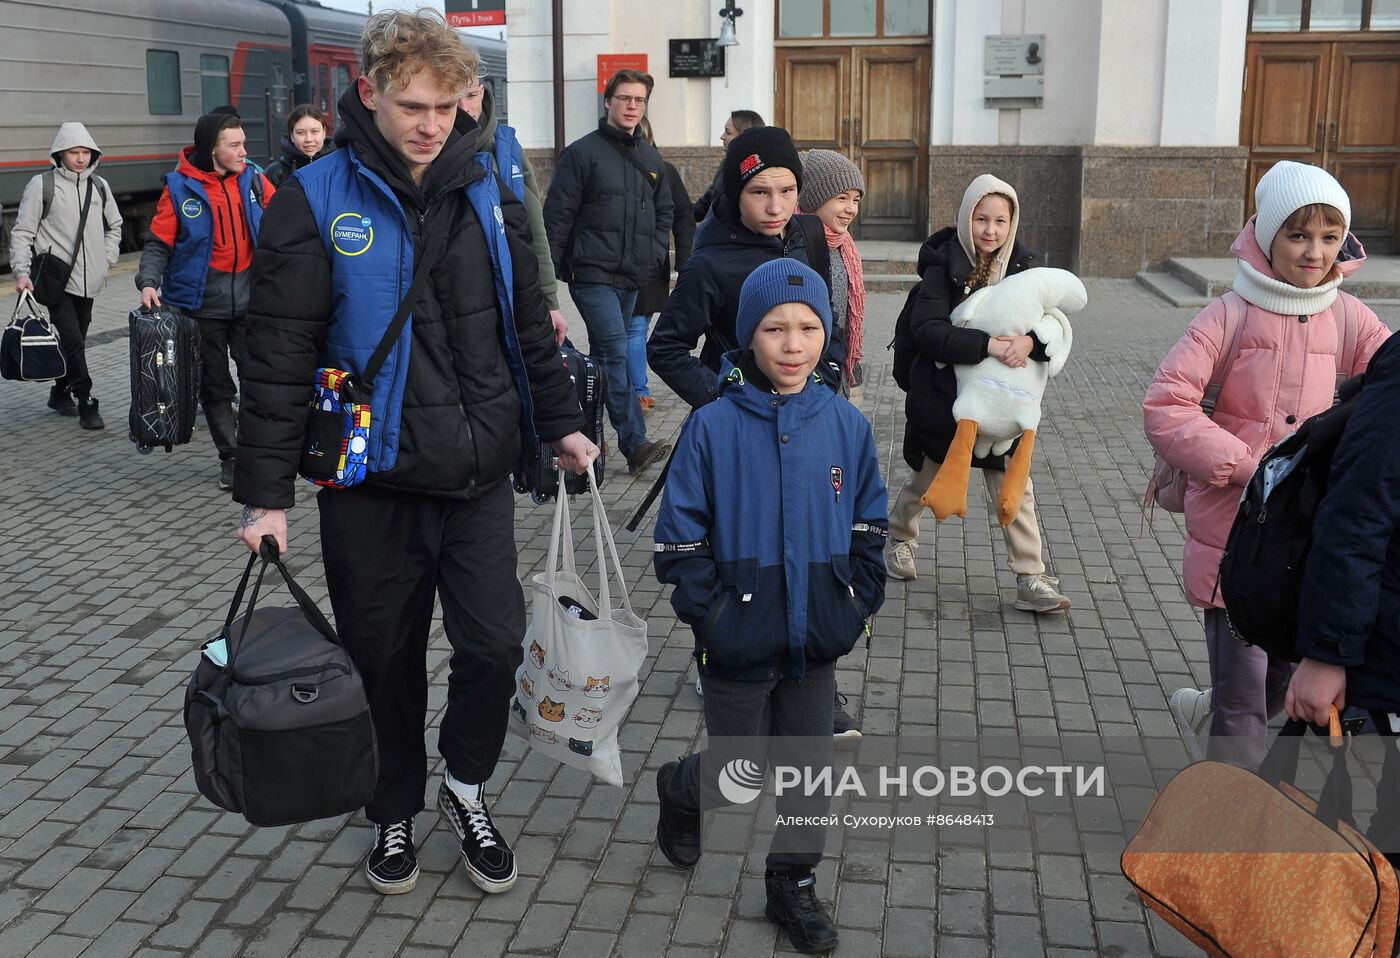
49	222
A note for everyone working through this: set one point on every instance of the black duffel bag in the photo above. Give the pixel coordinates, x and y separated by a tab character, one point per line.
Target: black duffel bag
276	714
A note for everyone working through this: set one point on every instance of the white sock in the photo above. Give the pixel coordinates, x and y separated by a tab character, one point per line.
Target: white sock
468	795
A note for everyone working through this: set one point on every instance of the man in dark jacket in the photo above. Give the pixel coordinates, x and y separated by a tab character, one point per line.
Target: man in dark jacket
763	170
473	367
608	215
198	258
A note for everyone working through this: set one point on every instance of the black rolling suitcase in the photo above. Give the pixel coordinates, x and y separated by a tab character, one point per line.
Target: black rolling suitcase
164	378
537	473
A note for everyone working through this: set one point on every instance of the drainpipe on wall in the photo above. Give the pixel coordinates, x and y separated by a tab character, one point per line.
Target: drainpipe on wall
558	27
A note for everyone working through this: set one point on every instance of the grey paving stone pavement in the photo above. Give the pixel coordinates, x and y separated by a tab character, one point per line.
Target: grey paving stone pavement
115	566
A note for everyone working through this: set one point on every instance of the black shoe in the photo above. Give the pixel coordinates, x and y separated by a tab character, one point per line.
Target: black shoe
677	828
792	903
88	416
226	468
842	725
392	865
485	851
646	454
61	401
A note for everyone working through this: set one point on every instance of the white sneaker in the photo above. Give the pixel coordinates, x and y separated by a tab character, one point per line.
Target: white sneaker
899	560
1039	593
1192	708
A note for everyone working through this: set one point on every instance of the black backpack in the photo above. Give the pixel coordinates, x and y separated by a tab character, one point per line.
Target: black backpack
1261	572
903	342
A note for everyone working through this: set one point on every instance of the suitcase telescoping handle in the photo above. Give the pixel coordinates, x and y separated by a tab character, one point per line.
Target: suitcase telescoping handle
269	554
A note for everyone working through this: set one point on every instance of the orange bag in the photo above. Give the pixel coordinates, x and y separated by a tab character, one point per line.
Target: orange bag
1247	866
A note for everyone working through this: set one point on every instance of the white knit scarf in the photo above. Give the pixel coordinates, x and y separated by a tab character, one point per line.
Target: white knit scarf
1279	297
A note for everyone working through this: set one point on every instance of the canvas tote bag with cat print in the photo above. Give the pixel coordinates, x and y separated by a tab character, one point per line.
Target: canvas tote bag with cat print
583	653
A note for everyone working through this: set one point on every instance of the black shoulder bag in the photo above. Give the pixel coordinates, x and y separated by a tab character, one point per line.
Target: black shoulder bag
50	273
336	451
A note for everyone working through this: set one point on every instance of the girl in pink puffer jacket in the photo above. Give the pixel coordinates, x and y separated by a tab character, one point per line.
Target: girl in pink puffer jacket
1293	255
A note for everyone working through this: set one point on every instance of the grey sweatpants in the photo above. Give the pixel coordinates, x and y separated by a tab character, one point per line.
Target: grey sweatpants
765	713
1248	689
1023	551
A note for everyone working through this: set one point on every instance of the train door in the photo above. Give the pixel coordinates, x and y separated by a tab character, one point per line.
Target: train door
249	82
333	70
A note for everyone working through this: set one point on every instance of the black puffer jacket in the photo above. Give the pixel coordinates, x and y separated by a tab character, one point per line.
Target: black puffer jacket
292	159
705	301
1349	611
607	223
652	297
943	272
460	421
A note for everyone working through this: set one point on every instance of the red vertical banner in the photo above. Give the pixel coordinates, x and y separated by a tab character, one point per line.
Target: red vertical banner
610	63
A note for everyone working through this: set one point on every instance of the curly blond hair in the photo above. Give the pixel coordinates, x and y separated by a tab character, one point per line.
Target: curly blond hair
397	44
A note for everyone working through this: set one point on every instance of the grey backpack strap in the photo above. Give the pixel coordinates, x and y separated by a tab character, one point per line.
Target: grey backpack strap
46	181
1235	311
1350	335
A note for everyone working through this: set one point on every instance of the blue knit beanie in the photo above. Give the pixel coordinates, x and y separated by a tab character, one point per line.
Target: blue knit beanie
776	282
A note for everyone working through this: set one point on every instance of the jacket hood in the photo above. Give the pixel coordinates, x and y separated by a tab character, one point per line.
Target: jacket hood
735	386
1258	283
70	135
1246	249
295	158
488	120
932	249
978	188
187	167
455	166
723	226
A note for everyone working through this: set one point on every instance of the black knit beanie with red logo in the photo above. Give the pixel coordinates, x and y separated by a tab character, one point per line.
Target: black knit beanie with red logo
755	150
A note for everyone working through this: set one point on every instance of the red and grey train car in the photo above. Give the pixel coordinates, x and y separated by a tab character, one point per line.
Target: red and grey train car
138	73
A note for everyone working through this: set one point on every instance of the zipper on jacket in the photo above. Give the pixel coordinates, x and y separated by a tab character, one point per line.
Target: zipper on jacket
233	236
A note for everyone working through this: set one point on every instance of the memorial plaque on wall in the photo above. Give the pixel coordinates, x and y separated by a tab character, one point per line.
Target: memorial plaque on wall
697	58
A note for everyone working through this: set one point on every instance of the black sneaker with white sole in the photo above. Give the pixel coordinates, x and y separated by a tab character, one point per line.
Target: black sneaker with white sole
392	865
485	851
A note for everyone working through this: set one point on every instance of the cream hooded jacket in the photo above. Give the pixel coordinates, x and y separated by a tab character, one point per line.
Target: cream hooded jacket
101	234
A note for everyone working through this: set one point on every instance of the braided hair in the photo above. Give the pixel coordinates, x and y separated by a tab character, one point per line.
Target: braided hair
981	272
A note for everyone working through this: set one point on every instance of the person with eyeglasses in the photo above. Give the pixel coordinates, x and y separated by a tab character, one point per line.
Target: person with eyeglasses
608	215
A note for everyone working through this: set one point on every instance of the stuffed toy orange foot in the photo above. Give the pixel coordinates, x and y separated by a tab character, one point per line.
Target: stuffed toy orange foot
947	494
1013	486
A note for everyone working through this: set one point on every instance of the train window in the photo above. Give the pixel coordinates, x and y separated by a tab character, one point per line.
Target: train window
213	81
163	82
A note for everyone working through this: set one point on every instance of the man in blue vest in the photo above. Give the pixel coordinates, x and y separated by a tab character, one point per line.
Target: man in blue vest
198	258
474	368
498	140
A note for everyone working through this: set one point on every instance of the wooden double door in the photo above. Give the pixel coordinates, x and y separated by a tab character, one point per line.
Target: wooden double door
870	102
1335	104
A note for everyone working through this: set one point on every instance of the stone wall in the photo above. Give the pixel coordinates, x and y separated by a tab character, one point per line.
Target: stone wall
1046	179
1141	206
1096	210
1105	210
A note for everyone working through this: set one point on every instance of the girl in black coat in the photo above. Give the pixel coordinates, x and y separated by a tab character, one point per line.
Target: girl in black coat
303	141
980	251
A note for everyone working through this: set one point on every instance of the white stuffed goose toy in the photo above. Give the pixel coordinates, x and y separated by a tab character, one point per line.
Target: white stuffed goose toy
997	404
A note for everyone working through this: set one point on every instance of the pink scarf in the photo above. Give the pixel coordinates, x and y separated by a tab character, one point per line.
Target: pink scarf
855	299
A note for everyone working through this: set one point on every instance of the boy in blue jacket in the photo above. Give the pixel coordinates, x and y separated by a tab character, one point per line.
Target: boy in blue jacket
772	529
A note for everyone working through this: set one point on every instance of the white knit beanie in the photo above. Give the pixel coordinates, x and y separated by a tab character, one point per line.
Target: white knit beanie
1288	187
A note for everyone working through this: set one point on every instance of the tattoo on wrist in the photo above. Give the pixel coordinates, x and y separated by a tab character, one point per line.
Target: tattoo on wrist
251	516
